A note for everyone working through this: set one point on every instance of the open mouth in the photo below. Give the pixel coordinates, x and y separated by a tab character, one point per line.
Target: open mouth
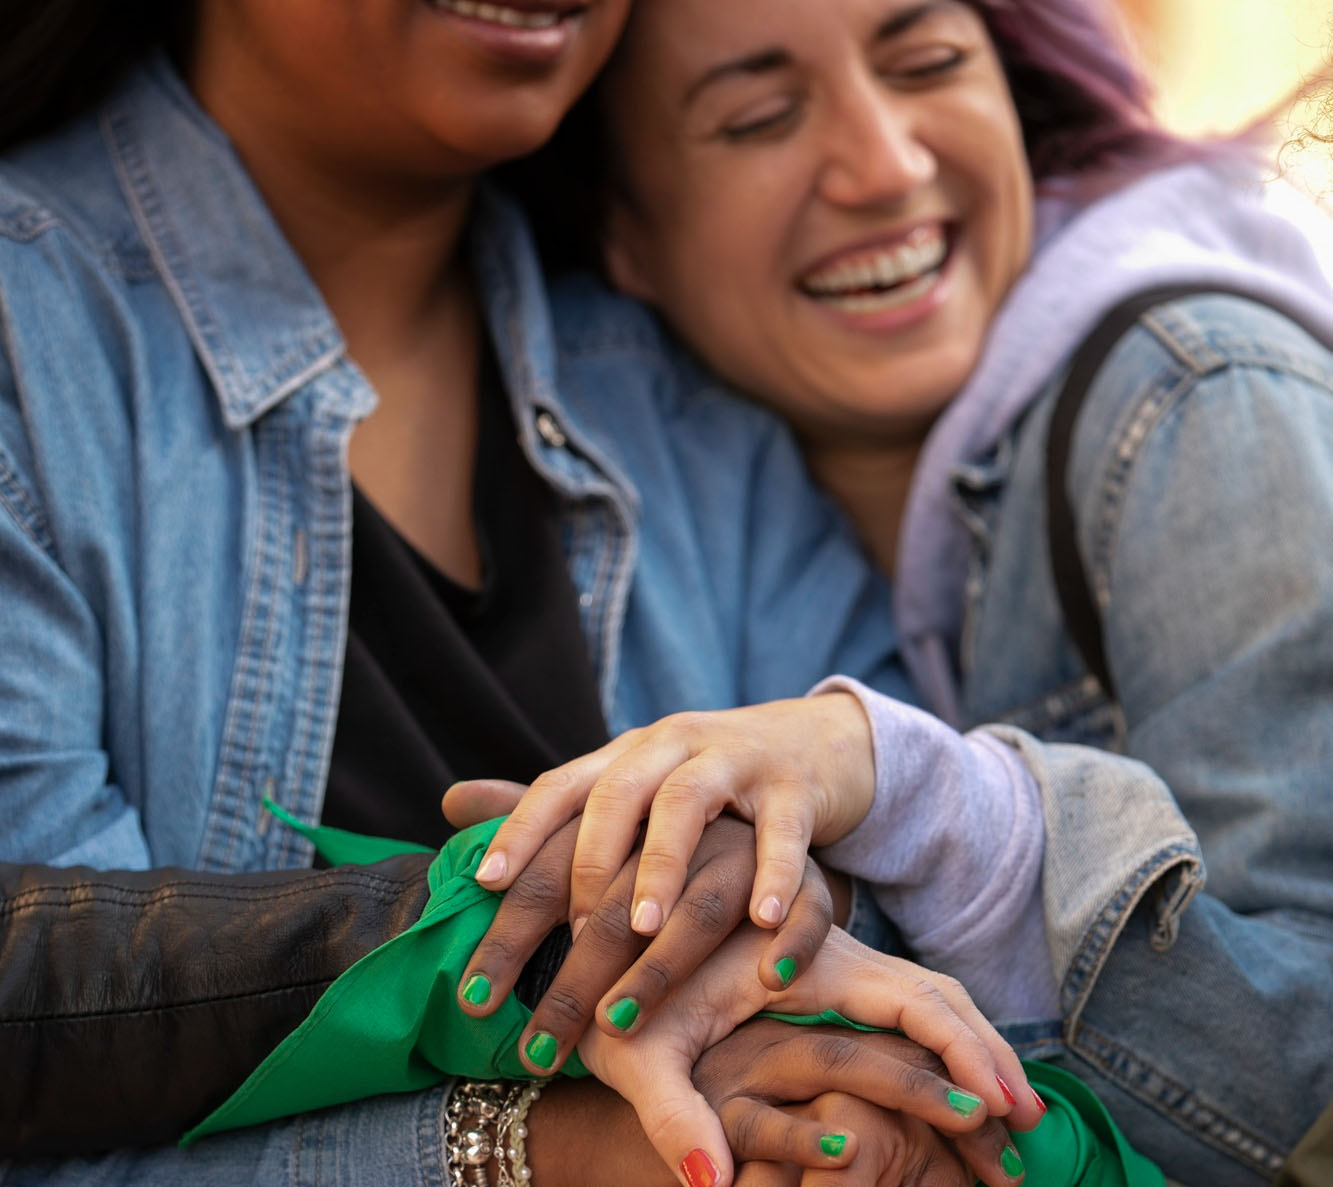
534	18
881	278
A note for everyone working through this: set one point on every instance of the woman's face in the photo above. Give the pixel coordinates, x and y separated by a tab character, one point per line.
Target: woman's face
436	87
828	198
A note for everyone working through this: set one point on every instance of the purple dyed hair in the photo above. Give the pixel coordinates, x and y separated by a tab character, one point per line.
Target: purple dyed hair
1081	99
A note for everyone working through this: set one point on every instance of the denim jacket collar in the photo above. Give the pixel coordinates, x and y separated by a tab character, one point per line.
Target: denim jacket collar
260	326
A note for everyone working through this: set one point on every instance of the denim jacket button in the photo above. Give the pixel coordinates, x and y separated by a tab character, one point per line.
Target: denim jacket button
548	428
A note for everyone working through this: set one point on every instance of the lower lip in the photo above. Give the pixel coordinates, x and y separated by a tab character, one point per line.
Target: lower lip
899	317
511	44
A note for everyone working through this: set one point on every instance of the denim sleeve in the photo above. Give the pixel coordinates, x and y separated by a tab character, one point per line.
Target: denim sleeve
1209	541
389	1141
61	806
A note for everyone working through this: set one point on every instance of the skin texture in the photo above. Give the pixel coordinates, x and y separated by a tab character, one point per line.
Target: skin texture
802	771
854	124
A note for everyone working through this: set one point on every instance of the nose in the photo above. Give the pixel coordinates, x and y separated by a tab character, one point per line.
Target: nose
876	154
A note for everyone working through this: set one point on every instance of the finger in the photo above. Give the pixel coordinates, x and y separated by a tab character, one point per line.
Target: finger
679	1123
800	937
1018	1102
768	1174
691	795
784	820
990	1154
604	948
616	806
555	798
474	801
825	1059
709	910
900	1151
535	904
758	1132
933	1009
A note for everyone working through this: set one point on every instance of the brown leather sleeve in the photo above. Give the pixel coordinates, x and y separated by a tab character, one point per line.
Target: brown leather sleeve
131	1004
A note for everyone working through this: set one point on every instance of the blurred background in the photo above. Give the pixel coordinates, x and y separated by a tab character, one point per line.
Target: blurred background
1219	64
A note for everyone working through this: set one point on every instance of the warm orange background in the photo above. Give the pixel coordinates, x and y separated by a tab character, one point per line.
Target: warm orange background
1218	64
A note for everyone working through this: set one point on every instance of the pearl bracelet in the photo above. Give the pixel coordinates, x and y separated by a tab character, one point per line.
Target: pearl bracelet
486	1120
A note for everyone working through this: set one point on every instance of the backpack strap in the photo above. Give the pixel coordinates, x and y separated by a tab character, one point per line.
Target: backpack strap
1078	605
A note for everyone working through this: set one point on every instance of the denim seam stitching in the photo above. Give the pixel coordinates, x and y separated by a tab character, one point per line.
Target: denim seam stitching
1105	928
1128	1070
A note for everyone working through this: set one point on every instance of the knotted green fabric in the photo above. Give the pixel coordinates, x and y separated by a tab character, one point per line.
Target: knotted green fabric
391	1023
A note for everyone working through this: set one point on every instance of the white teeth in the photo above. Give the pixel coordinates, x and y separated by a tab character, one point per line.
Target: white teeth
499	14
863	303
922	253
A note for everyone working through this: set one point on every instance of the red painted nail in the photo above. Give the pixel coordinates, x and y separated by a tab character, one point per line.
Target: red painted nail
699	1170
1009	1097
1041	1104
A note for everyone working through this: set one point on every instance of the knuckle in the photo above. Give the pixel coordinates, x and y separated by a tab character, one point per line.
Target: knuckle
916	1083
835	1053
608	929
617	784
561	1008
949	987
654	977
499	950
537	889
552	782
682	789
589	868
708	911
742	1125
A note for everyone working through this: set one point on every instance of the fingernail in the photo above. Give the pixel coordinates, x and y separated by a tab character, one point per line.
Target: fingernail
577	926
493	868
833	1144
1009	1098
541	1049
786	969
623	1013
770	910
963	1103
699	1170
647	917
1010	1163
1041	1104
477	991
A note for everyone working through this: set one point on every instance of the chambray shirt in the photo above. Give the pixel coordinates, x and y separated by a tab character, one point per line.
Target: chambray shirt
175	520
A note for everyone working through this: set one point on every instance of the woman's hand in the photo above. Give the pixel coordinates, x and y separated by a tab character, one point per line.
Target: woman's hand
896	1151
653	1069
608	956
802	771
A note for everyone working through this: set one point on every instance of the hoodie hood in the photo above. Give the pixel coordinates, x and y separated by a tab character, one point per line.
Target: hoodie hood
1198	224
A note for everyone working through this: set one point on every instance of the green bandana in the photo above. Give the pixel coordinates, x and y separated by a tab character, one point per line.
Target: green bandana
391	1023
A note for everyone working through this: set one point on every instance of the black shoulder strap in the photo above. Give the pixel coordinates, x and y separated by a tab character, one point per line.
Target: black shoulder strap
1082	619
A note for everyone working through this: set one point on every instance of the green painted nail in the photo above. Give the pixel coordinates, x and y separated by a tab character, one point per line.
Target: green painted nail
963	1103
786	968
1011	1163
541	1049
623	1013
833	1144
477	991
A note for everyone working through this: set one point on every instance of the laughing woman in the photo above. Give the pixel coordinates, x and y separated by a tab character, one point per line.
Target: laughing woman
910	227
303	499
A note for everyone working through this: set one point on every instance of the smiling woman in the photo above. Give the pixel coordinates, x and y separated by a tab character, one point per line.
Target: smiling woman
1069	375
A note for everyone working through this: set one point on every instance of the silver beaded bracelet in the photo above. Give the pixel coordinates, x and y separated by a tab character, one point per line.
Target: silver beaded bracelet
484	1121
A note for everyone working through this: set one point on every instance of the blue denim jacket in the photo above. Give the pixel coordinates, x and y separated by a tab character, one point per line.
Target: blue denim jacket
175	531
1203	477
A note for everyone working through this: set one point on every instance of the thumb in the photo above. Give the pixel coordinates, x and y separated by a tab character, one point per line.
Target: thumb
475	800
677	1120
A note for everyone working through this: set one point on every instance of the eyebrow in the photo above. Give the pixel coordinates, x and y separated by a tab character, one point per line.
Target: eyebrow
765	61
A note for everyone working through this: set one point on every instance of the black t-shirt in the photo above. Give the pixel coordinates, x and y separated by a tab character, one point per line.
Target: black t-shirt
442	682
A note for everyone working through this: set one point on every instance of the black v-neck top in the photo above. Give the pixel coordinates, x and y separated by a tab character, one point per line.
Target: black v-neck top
443	682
